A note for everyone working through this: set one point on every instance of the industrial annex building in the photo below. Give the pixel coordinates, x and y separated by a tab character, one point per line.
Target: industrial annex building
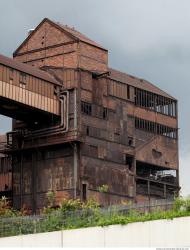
78	125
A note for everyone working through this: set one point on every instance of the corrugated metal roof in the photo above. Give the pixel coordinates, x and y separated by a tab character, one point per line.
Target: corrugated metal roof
136	82
27	69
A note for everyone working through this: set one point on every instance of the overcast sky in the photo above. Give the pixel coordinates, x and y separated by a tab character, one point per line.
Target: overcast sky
146	38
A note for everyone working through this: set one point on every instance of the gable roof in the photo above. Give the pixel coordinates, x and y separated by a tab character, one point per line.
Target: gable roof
28	69
137	82
79	35
76	35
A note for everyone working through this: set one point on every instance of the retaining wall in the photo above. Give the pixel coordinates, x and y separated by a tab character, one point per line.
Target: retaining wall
159	233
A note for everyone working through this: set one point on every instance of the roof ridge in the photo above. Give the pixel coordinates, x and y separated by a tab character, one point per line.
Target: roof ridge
77	34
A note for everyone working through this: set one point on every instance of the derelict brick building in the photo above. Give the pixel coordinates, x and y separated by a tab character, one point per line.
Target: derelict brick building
79	124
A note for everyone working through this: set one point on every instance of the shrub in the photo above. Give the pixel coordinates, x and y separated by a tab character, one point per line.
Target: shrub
6	210
103	189
179	204
91	204
70	205
51	198
187	203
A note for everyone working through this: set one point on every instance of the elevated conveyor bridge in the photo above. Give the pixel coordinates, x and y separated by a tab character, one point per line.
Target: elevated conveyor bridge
27	93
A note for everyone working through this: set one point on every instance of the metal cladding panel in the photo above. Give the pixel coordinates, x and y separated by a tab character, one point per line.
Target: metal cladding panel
29	98
9	62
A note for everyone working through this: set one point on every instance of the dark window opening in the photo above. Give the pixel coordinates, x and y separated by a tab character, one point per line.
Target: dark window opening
22	80
87	130
128	92
23	77
86	108
84	192
130	141
105	113
151	172
129	161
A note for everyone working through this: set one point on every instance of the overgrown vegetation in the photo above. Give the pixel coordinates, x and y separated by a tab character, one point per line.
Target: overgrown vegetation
6	210
75	214
103	189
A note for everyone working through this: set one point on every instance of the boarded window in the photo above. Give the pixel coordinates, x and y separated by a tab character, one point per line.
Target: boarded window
119	90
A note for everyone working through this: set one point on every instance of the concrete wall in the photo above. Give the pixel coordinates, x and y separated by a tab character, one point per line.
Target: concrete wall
160	233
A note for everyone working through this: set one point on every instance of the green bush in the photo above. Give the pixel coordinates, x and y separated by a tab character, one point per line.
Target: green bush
187	203
182	204
51	198
70	205
179	204
103	189
6	210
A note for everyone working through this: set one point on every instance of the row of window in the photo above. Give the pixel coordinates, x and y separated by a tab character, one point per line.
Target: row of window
155	102
155	128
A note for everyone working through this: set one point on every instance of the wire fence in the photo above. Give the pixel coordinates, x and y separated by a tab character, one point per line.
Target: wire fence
58	220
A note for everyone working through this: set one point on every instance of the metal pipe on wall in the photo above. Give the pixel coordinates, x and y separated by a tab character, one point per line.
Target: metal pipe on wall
64	125
75	165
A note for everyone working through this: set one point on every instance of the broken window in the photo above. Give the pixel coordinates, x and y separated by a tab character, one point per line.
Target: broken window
157	128
86	108
129	161
155	102
148	171
130	141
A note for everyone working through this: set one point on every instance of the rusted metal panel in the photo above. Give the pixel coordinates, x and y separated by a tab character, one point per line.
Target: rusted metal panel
155	149
37	172
10	63
99	173
29	98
